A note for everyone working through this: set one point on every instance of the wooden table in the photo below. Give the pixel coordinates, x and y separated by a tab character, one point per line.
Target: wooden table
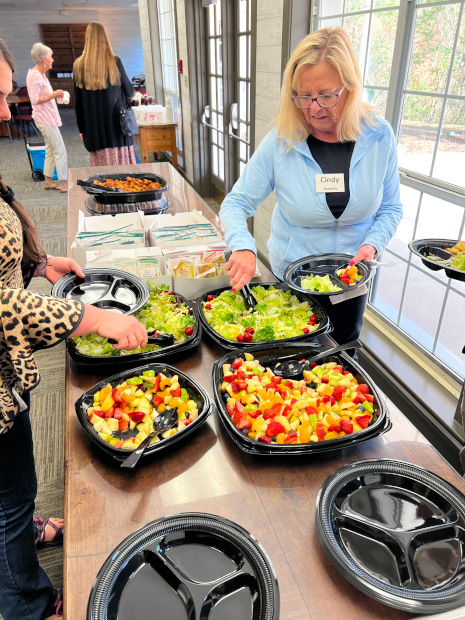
154	138
16	100
272	497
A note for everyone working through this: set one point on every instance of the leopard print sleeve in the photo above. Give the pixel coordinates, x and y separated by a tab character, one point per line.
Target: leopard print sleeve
29	321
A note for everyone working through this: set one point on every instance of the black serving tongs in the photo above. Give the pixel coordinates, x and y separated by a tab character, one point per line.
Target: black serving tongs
292	368
249	299
160	338
99	188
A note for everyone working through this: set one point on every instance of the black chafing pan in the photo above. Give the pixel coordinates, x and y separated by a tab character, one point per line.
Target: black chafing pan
204	403
396	532
188	566
322	265
126	197
437	247
323	319
107	288
269	355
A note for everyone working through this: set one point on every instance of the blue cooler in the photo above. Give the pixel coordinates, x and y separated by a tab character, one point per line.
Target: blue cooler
36	150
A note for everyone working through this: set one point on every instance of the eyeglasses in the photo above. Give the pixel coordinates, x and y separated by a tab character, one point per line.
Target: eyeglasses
324	101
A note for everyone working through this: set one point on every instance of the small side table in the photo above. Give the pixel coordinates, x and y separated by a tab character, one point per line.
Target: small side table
153	138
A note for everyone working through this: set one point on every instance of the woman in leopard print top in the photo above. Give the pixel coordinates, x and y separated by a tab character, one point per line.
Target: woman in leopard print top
28	322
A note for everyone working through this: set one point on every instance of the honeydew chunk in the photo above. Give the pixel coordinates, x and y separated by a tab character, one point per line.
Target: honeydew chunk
106	437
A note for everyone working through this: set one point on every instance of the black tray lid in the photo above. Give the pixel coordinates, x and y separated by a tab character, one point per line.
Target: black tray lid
148	207
321	265
188	566
127	197
324	328
107	288
204	403
396	532
270	355
423	247
135	358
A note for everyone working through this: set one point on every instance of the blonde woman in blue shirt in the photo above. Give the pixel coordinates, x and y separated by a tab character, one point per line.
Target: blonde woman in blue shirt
323	130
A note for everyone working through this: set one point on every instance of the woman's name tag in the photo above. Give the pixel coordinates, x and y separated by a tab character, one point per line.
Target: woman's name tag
329	183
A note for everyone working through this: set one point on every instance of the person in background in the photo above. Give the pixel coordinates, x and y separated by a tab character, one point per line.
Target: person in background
46	116
323	130
101	89
29	322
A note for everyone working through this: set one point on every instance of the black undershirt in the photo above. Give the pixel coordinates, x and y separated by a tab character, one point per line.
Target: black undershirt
333	158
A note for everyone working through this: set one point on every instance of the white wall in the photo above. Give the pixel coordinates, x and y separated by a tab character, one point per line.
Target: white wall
21	30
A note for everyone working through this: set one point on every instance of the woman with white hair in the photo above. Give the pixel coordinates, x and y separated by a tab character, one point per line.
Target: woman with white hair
323	130
46	116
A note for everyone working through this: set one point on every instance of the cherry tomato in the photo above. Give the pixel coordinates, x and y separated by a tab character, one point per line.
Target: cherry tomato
248	337
240	337
189	330
210	298
208	306
306	330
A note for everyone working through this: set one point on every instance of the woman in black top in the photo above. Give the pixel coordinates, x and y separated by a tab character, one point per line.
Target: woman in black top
101	87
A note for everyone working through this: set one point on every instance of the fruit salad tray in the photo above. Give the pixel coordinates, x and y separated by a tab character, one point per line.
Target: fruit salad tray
326	274
117	413
186	566
435	256
332	405
165	313
281	315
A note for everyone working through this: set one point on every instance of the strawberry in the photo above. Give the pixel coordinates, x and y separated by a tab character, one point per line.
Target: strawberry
363	388
272	411
122	426
363	420
234	388
242	385
291	438
369	397
320	433
346	426
264	439
239	407
244	423
236	364
109	413
324	380
288	384
240	375
274	428
176	392
118	414
229	378
335	427
311	410
230	408
338	392
286	411
98	413
137	416
157	401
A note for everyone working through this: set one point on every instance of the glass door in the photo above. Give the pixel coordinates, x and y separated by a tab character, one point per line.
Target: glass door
227	115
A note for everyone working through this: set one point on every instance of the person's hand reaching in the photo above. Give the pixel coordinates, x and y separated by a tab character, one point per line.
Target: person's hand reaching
241	268
125	329
58	266
366	252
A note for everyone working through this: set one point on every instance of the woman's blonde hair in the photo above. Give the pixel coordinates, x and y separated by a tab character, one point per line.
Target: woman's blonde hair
331	45
40	51
96	67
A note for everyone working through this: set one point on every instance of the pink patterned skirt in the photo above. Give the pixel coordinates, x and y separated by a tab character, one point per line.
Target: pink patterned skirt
118	156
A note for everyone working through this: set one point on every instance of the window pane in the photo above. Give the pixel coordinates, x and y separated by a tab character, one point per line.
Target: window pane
221	164
418	132
211	20
214	120
219	55
243	56
357	29
331	7
215	160
410	199
356	5
335	21
438	219
220	95
432	48
457	84
422	307
386	292
452	334
243	100
379	4
243	151
378	99
382	38
243	131
218	17
212	56
449	165
243	6
213	93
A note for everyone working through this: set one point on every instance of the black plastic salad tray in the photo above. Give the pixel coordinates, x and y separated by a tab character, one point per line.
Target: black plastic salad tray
126	197
204	402
396	532
322	265
323	319
437	247
141	358
269	355
187	566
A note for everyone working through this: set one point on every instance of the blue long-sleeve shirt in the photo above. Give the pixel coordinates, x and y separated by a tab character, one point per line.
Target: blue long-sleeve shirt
302	223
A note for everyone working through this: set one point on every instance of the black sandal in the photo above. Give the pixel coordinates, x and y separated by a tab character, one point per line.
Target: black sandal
39	526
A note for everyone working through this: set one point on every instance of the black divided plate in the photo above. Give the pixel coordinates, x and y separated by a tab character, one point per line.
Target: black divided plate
188	566
437	247
269	355
396	532
324	328
204	403
141	358
127	197
322	265
106	288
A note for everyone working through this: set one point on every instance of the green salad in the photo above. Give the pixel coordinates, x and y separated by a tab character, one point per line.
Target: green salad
321	284
162	313
458	261
277	315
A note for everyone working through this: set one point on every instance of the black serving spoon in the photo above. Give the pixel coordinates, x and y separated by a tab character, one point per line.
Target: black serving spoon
99	188
163	422
249	299
292	368
160	338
